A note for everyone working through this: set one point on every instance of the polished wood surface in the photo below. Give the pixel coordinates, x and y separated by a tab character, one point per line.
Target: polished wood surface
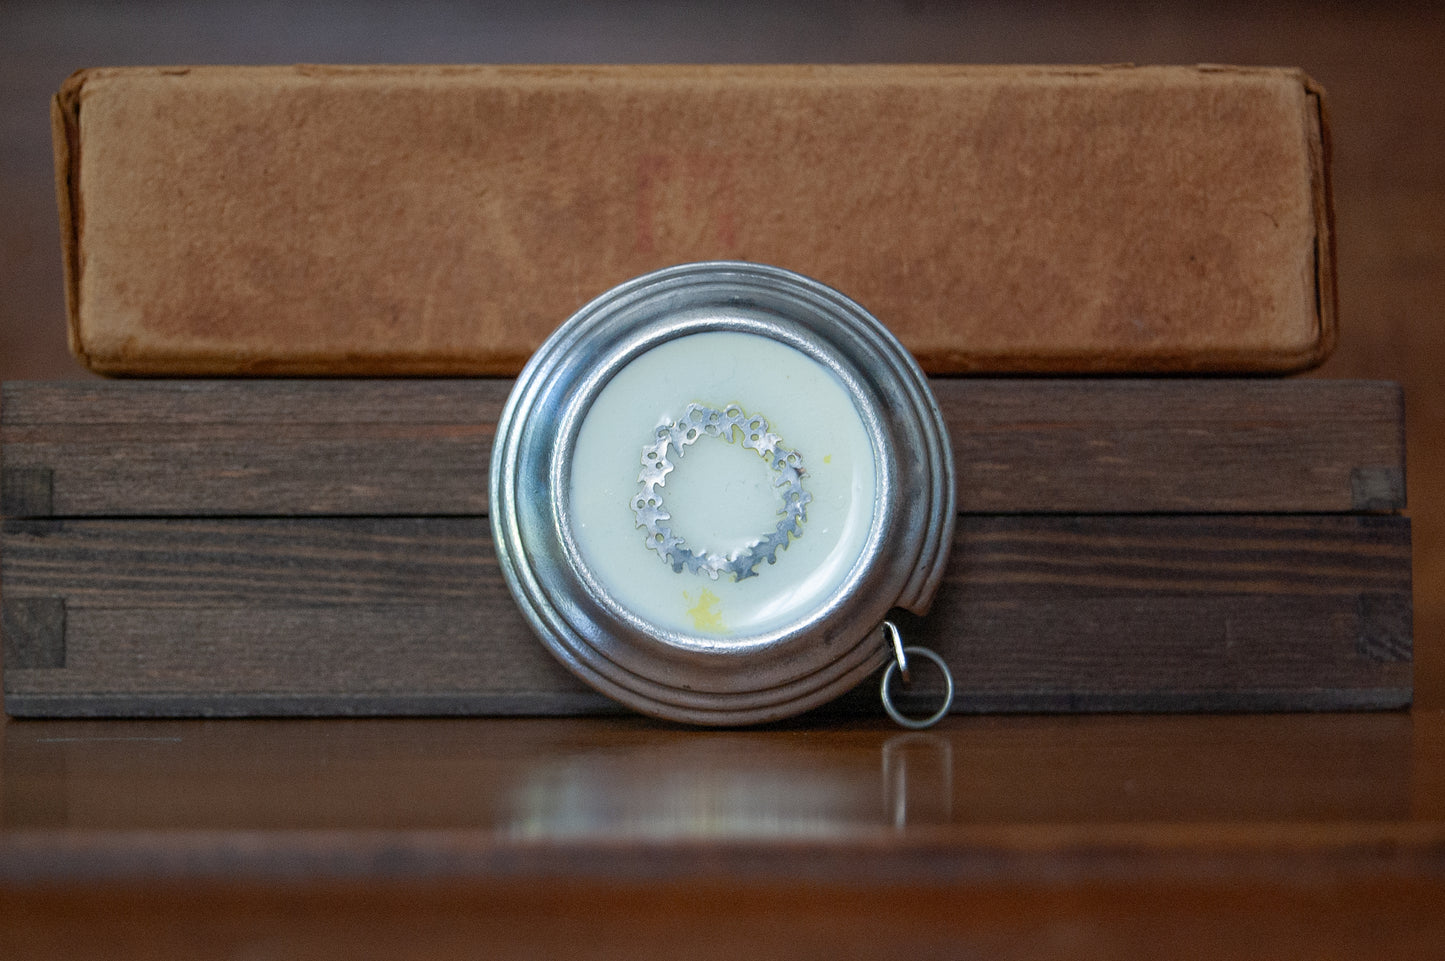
1208	836
560	780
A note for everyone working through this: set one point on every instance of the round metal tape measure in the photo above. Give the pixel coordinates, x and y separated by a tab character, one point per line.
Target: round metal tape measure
711	485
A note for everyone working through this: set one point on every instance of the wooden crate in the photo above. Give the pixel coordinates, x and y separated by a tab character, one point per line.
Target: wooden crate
321	547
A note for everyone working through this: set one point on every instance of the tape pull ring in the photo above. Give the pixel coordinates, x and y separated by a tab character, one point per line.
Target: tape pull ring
899	665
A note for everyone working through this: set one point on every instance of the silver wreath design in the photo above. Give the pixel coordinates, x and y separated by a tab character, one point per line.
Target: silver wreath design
674	437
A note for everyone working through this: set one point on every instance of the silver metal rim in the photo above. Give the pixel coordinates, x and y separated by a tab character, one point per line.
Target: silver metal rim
667	673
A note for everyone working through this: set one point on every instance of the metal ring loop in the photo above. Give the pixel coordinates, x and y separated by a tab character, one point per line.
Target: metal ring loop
936	716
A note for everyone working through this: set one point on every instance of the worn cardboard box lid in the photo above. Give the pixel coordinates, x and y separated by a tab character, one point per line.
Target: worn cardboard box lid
443	220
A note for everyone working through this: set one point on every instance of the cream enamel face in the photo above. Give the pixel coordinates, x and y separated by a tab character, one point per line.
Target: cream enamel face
720	497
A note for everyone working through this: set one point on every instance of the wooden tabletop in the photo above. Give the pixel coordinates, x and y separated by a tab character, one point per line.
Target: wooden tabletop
1305	835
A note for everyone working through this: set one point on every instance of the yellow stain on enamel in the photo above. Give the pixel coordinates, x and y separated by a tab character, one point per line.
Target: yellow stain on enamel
828	459
706	617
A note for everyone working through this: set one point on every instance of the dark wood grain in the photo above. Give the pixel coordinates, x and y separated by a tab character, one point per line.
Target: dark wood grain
1140	446
278	447
422	447
410	615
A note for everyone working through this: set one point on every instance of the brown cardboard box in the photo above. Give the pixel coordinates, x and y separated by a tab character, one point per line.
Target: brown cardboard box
443	220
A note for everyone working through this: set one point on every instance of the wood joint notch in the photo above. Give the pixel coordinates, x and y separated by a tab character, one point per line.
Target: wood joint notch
1377	489
1386	629
34	632
27	492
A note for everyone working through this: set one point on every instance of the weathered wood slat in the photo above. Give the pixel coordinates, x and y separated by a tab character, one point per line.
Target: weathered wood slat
316	448
412	561
1140	446
409	615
